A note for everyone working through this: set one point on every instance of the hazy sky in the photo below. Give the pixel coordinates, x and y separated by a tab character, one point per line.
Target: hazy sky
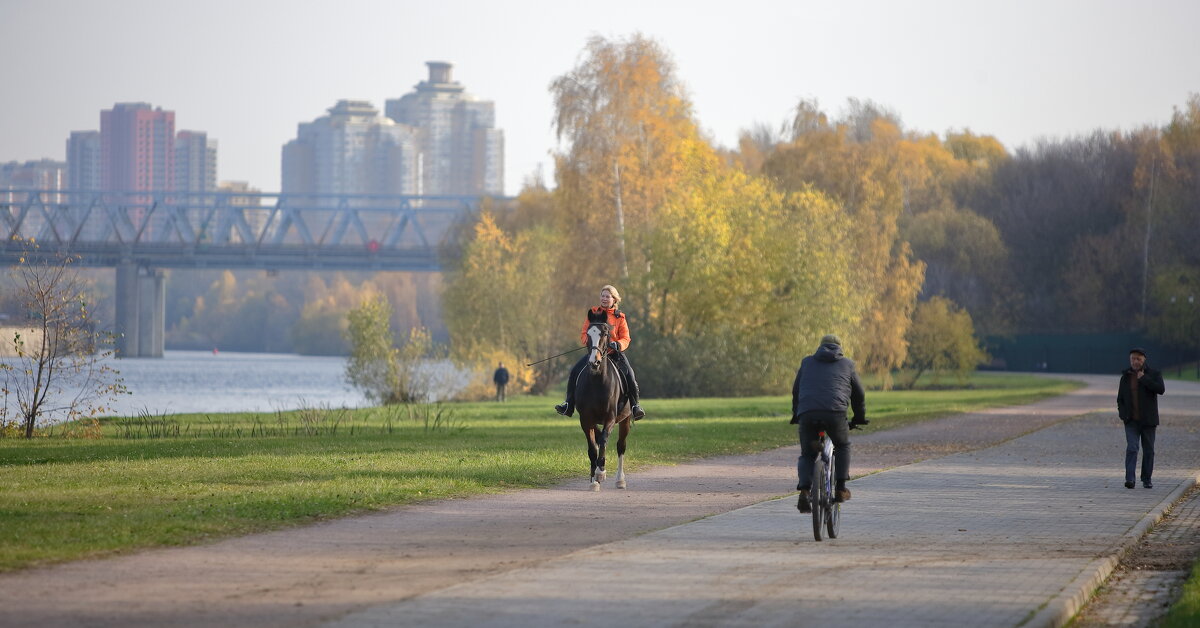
247	71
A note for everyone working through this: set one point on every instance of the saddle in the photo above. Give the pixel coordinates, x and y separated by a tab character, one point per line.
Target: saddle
623	396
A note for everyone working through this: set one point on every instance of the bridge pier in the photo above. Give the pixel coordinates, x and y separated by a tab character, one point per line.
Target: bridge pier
141	300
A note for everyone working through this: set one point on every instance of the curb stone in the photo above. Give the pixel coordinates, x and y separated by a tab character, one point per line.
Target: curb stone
1063	608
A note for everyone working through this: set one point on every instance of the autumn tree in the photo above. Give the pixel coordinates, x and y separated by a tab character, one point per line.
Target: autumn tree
967	262
858	162
727	279
627	126
744	281
942	339
502	303
61	370
385	373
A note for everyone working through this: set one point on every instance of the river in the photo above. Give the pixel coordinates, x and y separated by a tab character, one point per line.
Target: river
202	381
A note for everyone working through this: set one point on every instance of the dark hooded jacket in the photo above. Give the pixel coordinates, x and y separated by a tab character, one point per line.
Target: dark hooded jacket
826	385
1142	407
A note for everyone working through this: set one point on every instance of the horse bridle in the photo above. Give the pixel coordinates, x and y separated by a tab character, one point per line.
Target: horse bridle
596	333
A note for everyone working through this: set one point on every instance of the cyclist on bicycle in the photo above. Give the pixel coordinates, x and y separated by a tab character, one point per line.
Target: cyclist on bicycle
826	385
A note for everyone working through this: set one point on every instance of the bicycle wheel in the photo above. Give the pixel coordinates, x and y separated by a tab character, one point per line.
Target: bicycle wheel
818	497
833	514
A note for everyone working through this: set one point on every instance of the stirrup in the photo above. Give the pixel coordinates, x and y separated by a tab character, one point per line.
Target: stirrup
637	411
564	409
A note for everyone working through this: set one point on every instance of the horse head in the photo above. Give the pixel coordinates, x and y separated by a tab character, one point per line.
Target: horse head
597	339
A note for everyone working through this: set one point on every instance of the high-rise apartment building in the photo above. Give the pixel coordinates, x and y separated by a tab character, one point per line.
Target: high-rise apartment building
461	150
83	161
43	174
195	162
137	148
353	150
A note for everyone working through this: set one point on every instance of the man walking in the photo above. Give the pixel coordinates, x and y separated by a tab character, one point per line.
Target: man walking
1137	405
500	378
826	386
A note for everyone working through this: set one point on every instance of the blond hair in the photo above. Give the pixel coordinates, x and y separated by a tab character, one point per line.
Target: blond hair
615	295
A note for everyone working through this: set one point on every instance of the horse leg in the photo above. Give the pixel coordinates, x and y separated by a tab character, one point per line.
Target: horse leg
602	442
593	454
624	431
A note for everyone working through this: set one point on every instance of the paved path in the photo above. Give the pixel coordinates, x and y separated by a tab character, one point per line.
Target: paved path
1151	575
407	566
1018	534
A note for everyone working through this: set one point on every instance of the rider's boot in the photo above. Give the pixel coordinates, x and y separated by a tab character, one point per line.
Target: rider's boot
634	407
802	503
840	492
566	408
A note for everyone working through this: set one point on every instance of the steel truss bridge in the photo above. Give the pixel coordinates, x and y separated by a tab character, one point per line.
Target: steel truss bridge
140	233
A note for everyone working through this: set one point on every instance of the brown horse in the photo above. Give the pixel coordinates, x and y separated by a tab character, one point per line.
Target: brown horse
598	398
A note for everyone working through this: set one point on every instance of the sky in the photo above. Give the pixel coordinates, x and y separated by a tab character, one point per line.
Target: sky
248	71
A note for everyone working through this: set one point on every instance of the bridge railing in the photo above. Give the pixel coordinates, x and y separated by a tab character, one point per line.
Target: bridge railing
233	229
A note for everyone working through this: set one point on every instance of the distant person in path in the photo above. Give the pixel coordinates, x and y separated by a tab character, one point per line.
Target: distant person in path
1137	405
618	342
826	385
500	378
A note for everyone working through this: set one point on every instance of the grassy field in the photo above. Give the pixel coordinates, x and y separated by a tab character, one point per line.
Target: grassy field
173	480
1185	372
1185	612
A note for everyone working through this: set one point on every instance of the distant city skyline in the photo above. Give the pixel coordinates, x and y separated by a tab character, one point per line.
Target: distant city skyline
247	73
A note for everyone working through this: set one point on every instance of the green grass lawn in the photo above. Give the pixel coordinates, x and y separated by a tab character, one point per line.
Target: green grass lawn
1185	612
204	477
1184	372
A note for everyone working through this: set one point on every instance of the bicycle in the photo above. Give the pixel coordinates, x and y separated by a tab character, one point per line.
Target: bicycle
826	513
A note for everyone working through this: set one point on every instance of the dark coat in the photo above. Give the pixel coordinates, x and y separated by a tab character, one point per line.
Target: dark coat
500	376
1149	387
827	384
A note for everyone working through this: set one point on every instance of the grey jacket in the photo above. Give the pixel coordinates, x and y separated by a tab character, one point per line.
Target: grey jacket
827	384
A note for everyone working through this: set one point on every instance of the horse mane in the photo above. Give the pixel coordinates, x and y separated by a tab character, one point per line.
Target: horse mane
597	317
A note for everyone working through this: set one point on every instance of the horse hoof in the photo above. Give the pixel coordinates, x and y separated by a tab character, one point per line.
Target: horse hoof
620	483
601	476
595	486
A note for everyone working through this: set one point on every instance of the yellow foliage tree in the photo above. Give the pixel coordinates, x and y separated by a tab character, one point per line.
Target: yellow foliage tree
628	128
942	338
868	178
501	304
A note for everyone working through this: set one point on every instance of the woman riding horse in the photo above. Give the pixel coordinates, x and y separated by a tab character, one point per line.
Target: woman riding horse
618	342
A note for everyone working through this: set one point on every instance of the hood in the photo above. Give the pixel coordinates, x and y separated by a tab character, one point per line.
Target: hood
829	352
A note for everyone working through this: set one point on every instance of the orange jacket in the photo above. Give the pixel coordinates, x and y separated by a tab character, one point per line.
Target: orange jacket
616	319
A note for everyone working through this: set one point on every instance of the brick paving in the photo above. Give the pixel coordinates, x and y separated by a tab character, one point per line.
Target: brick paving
1151	576
1019	534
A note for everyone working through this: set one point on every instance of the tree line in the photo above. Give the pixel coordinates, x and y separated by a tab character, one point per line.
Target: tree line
734	261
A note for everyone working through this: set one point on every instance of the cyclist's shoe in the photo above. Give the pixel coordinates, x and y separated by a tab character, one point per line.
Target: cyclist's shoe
841	493
638	412
1129	485
802	503
1147	484
564	409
